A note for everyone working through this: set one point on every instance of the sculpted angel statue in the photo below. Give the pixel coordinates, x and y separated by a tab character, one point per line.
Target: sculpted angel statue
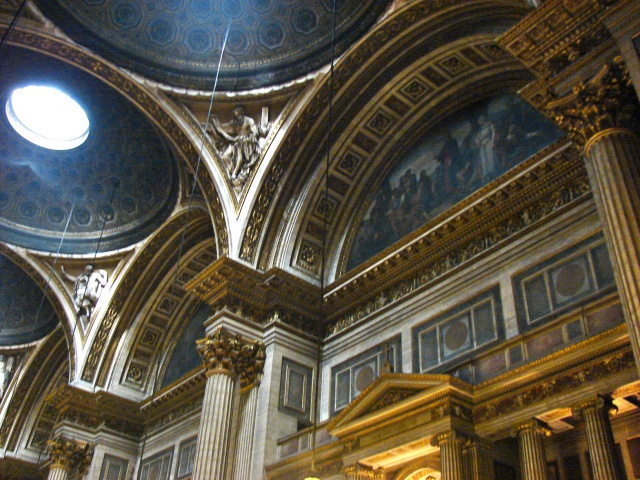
87	290
6	365
240	138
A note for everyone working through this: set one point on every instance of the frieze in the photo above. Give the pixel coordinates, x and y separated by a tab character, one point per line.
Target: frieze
611	364
560	193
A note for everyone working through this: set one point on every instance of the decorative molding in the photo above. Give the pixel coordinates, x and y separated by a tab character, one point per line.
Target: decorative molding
261	297
532	193
398	31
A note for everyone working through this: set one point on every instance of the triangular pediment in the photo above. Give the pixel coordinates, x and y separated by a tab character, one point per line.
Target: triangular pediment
394	390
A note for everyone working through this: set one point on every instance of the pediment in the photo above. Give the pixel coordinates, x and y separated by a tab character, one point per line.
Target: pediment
391	391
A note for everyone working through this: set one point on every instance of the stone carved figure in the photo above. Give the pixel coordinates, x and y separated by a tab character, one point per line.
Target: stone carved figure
239	143
6	365
87	290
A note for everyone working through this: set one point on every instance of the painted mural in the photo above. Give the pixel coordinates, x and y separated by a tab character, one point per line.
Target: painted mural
469	149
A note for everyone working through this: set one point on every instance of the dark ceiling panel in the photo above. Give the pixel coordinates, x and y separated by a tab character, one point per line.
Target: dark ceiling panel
179	41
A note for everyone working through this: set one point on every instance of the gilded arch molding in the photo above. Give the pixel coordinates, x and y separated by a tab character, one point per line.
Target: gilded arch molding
142	277
415	30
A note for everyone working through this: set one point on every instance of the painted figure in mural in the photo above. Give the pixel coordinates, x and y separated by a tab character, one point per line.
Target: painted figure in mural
466	152
241	143
485	141
6	365
87	290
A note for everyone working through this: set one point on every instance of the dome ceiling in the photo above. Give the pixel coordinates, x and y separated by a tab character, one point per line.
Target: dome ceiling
25	316
179	41
124	173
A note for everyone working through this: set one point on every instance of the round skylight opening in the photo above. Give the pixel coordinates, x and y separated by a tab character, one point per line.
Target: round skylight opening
47	117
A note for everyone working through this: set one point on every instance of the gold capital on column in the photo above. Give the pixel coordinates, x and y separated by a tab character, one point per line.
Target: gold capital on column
530	435
70	455
220	352
251	364
607	101
451	463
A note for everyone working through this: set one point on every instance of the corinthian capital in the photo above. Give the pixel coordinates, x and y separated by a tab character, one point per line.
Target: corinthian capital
606	101
70	455
222	352
530	426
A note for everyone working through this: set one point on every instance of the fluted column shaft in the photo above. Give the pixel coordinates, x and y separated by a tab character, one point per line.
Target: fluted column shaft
451	461
226	358
613	162
246	430
599	438
602	115
58	472
215	427
533	462
478	460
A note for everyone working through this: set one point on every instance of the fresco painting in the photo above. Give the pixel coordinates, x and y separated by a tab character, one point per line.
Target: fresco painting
464	153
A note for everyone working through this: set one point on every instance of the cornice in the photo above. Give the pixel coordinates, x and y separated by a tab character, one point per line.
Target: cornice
96	410
532	193
259	296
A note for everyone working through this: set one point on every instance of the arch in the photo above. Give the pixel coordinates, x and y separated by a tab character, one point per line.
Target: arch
145	272
361	77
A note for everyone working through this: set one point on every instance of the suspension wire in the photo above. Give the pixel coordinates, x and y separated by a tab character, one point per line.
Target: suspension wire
323	258
12	25
186	221
116	184
53	268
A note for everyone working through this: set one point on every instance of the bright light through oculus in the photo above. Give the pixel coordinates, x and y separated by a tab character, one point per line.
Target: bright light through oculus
47	117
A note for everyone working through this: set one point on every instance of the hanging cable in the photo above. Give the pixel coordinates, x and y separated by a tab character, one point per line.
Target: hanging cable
323	258
12	25
186	220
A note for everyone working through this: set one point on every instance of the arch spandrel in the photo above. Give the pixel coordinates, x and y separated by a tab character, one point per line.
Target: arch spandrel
363	78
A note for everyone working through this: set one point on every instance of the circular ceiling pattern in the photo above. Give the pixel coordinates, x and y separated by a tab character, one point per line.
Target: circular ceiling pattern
25	315
179	41
111	191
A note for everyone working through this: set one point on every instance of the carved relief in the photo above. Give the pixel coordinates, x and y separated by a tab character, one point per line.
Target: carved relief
239	143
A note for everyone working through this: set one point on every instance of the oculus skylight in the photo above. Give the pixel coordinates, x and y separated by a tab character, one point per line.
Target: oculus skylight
47	117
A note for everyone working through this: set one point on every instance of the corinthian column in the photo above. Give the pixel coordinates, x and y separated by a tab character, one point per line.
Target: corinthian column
68	456
478	459
224	357
599	437
602	116
451	463
533	462
249	382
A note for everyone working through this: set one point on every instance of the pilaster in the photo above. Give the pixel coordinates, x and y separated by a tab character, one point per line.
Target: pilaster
479	460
